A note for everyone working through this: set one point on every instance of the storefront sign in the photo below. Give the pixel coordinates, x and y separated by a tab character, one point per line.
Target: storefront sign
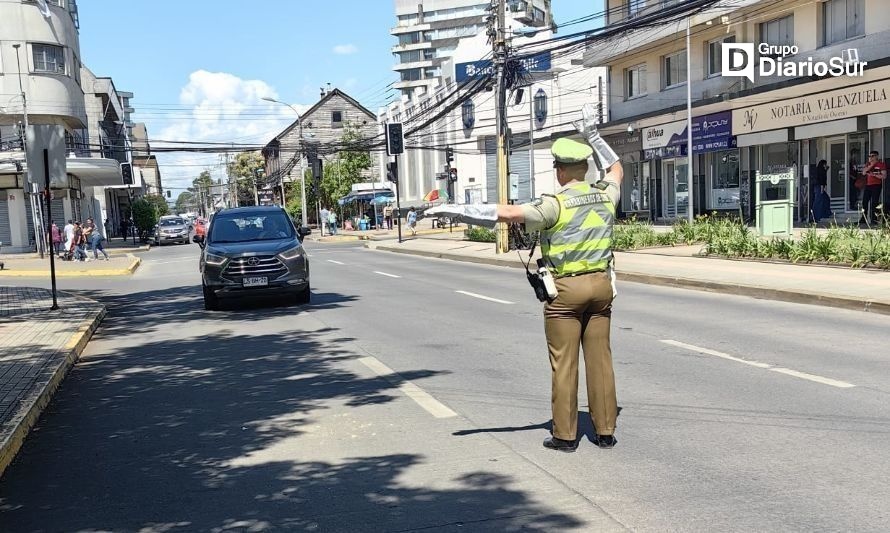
625	144
849	102
709	133
477	69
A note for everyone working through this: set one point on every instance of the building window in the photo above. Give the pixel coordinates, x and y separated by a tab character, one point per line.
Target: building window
635	81
674	69
779	32
723	170
413	74
337	119
409	38
76	66
635	6
842	20
715	61
48	58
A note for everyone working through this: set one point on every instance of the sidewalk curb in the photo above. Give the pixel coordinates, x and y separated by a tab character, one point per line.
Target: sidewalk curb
134	264
33	406
752	291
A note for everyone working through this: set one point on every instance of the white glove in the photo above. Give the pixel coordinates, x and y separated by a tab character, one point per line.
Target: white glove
477	214
603	155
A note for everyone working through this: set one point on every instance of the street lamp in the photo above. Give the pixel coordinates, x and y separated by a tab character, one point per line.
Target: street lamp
302	170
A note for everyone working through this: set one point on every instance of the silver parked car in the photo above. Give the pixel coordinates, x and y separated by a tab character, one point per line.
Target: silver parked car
253	251
171	228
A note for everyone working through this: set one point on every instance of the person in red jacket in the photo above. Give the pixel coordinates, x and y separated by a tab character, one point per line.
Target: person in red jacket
875	172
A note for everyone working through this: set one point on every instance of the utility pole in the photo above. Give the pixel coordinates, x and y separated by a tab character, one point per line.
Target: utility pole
36	219
500	58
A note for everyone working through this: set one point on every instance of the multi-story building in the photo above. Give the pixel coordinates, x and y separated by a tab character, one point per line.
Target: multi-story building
40	57
556	90
429	31
323	126
764	123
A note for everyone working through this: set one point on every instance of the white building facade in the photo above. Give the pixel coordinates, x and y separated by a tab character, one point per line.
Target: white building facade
543	108
742	126
46	47
429	32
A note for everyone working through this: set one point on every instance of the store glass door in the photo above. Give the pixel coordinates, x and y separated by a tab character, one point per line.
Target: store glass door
837	174
676	184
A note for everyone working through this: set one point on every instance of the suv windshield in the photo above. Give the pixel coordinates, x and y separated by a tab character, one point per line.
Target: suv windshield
171	222
245	227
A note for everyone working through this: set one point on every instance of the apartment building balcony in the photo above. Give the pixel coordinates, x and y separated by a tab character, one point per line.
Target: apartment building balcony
426	63
411	46
408	28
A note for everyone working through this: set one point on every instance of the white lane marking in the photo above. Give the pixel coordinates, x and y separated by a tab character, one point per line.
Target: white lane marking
481	297
813	377
335	262
765	366
420	396
693	348
385	274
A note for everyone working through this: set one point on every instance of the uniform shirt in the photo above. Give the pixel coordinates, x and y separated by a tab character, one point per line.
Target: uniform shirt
543	213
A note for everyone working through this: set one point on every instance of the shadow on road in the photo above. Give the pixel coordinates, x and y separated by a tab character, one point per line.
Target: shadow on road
200	433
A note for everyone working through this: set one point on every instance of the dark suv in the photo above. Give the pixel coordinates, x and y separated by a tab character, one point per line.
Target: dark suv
253	251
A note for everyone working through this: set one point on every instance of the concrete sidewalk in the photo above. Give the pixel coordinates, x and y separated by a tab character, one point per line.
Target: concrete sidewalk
37	348
28	266
856	289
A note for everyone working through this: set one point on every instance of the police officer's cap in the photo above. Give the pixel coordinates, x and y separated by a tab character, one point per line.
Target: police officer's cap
569	151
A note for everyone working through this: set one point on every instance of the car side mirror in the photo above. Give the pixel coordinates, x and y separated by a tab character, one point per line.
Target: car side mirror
199	240
302	232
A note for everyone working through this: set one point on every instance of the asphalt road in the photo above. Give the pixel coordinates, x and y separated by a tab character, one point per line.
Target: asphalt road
738	414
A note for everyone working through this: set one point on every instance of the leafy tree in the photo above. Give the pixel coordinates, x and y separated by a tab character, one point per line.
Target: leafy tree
246	169
145	216
347	169
186	201
159	203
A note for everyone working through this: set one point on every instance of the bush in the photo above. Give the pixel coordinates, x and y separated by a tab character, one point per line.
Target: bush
480	234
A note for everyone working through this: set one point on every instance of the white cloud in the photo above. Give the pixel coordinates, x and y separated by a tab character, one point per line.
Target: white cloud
345	49
217	107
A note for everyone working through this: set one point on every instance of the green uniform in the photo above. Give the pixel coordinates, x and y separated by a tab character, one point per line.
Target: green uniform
576	226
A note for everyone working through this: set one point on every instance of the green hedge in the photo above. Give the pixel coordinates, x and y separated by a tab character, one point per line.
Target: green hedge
480	234
728	237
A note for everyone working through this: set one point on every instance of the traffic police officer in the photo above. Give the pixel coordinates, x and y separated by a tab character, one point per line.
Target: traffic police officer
576	238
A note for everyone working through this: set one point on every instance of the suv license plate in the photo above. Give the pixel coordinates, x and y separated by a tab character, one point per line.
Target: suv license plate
255	282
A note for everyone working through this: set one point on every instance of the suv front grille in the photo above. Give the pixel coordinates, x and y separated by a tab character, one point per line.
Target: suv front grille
265	265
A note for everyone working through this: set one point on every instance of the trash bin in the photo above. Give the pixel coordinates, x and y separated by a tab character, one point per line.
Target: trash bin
363	225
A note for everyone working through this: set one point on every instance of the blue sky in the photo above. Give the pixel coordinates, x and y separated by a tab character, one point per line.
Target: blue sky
198	68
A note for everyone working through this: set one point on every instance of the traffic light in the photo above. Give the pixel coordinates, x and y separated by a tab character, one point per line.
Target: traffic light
395	142
449	155
392	172
127	173
317	170
452	175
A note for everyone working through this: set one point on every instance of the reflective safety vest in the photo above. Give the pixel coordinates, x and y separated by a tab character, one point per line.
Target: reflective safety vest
581	240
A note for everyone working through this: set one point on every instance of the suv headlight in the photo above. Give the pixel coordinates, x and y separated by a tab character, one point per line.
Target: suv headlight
215	260
293	253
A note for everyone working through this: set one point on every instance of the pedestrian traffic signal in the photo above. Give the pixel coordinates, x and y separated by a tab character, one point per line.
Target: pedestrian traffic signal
392	172
127	173
453	175
449	155
395	142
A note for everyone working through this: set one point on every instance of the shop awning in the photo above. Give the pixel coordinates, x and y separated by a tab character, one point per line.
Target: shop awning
365	196
94	171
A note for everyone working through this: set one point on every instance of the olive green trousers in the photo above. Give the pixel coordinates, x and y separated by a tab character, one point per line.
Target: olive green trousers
580	316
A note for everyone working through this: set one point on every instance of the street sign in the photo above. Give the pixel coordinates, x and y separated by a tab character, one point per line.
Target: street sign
477	69
42	137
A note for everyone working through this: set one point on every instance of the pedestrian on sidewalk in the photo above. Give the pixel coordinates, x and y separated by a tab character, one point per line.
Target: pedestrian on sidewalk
412	220
80	253
387	216
875	172
323	219
332	222
57	238
95	239
576	235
